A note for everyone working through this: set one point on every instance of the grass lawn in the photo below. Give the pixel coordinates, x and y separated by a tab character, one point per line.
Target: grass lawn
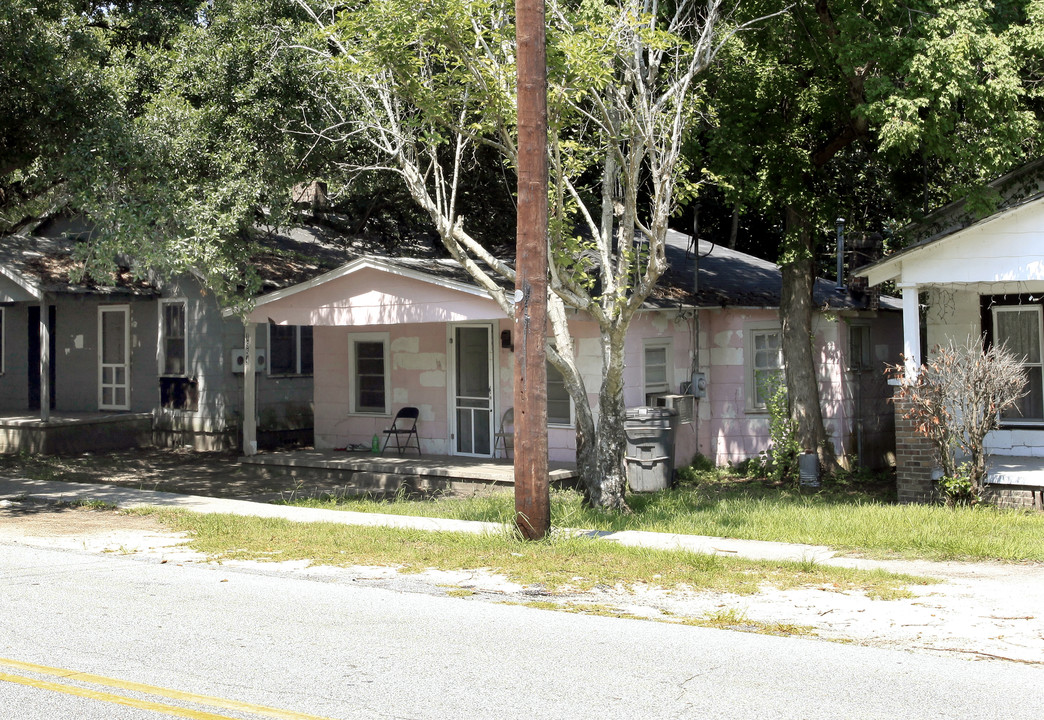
860	518
562	562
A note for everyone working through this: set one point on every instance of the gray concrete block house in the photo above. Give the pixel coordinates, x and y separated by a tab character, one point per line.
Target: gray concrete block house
87	366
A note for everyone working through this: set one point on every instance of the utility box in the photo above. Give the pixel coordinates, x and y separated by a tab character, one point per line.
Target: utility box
650	435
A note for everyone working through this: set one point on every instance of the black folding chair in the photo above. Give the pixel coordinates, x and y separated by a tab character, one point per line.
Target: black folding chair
405	423
505	437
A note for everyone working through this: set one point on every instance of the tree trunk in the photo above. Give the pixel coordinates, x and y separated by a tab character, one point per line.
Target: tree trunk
795	313
606	488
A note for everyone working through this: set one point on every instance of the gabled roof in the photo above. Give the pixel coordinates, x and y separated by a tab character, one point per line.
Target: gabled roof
44	264
890	268
729	277
1017	190
305	256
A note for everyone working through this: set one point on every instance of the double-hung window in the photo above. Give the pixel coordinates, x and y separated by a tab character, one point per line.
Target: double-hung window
763	364
656	369
178	391
368	368
173	339
859	355
1019	328
559	404
289	349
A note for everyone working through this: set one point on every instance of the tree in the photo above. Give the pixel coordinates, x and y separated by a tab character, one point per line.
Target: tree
867	111
425	84
66	69
956	399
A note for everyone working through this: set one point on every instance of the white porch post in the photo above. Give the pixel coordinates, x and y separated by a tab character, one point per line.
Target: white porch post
45	361
911	331
249	389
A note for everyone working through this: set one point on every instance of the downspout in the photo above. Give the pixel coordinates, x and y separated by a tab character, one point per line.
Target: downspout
840	253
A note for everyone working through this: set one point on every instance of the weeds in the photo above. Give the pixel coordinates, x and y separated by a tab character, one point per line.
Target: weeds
854	512
560	563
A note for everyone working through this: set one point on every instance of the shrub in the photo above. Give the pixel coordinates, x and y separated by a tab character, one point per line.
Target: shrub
956	399
780	461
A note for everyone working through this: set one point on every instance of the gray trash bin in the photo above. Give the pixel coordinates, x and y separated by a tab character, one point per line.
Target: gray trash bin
650	447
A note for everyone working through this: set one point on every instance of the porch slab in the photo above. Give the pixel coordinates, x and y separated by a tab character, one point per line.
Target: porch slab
1015	470
72	433
1015	481
362	472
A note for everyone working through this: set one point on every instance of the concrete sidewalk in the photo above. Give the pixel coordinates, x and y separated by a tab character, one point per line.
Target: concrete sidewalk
123	497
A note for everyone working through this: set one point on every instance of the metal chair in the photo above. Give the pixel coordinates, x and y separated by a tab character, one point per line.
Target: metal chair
505	437
405	423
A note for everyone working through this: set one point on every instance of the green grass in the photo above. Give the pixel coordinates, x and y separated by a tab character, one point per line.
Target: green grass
857	518
562	562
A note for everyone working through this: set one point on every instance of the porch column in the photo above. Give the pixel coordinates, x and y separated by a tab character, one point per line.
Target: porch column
45	361
249	389
911	331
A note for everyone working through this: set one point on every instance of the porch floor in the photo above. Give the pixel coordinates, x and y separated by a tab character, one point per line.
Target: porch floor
73	432
1015	470
366	472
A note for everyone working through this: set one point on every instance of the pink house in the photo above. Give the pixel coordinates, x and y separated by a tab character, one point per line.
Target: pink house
395	332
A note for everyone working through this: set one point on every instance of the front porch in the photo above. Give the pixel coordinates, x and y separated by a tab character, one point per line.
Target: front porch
72	433
363	472
1015	481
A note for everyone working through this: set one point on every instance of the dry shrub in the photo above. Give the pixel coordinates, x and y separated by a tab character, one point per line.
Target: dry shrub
956	399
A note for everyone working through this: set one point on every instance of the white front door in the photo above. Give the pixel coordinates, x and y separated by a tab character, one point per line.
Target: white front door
114	357
472	352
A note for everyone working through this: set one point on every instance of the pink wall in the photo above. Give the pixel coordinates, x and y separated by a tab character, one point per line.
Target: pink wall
725	429
371	296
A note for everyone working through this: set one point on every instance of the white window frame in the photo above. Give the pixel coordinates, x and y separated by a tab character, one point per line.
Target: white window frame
1037	366
125	309
297	371
353	395
572	409
651	390
162	338
750	331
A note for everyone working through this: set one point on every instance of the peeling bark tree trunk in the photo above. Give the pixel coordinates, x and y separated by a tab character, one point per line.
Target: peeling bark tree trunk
795	314
606	486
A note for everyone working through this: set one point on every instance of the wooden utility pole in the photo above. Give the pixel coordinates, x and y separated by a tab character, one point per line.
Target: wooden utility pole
532	502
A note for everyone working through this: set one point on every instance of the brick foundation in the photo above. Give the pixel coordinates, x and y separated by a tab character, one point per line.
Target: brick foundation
915	458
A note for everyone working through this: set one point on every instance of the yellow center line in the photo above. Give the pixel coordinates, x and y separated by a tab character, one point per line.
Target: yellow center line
111	698
141	688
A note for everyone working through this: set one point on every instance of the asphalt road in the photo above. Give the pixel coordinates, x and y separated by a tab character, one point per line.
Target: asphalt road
248	644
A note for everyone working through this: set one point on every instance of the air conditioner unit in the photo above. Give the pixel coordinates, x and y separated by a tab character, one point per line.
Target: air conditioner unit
239	360
682	403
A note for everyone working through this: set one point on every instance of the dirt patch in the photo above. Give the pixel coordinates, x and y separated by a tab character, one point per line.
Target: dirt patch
39	519
85	528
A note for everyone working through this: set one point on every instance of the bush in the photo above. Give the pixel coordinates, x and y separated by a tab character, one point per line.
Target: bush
780	462
956	399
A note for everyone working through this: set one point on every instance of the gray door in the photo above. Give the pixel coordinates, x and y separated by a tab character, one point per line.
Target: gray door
473	390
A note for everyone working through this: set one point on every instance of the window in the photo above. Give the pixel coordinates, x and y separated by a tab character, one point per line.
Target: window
859	355
289	349
764	364
656	370
1019	327
368	369
559	404
173	346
